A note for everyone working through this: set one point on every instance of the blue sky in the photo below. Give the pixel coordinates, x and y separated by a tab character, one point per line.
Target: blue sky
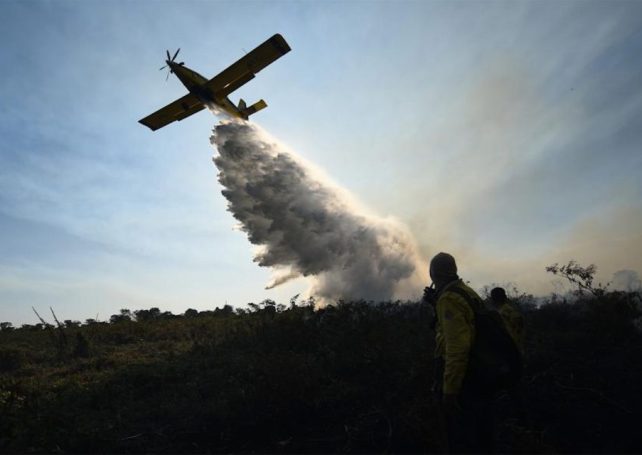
507	133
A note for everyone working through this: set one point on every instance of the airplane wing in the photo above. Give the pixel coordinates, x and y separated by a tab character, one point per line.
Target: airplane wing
242	71
178	110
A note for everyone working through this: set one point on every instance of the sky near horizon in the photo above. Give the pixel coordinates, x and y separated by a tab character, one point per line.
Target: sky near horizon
507	133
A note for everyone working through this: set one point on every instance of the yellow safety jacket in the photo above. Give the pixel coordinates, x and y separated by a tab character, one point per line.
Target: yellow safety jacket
454	334
514	322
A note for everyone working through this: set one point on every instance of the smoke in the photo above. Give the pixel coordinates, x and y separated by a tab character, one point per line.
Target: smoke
626	280
306	226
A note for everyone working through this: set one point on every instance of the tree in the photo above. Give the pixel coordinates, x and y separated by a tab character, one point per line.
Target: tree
6	326
125	315
166	315
267	303
580	276
227	310
191	313
147	315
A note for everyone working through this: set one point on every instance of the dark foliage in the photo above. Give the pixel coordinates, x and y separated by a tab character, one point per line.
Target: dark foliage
354	377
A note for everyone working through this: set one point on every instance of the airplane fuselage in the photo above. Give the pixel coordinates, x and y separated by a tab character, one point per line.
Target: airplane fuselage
196	84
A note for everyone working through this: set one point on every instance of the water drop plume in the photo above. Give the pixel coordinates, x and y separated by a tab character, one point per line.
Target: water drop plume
304	225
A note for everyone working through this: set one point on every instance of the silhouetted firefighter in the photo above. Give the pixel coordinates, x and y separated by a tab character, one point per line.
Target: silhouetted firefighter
512	317
475	358
514	323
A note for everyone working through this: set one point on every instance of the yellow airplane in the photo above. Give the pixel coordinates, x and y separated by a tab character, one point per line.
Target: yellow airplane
213	93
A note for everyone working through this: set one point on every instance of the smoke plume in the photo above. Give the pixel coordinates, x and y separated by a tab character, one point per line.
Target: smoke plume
306	226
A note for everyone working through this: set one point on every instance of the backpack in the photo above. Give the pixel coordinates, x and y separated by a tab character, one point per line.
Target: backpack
495	362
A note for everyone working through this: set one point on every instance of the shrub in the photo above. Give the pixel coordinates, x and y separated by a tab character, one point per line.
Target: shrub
11	359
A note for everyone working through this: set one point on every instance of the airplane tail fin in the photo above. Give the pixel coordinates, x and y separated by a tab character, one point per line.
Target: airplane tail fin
260	104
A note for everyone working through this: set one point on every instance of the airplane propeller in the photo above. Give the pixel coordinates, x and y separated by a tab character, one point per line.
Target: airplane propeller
170	60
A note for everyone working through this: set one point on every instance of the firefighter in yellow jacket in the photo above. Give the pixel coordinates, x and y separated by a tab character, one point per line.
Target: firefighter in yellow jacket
469	415
514	323
513	319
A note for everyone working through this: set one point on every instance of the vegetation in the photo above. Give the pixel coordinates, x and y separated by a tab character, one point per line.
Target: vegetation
354	377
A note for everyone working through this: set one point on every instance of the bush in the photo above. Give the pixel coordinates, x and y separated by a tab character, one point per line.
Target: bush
11	359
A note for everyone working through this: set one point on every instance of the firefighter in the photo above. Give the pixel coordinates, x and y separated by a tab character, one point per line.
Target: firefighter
468	413
513	319
514	323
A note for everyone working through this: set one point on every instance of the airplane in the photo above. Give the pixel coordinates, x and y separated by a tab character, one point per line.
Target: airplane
214	93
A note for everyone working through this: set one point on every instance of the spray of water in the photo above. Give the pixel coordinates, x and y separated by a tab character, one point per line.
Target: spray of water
304	225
